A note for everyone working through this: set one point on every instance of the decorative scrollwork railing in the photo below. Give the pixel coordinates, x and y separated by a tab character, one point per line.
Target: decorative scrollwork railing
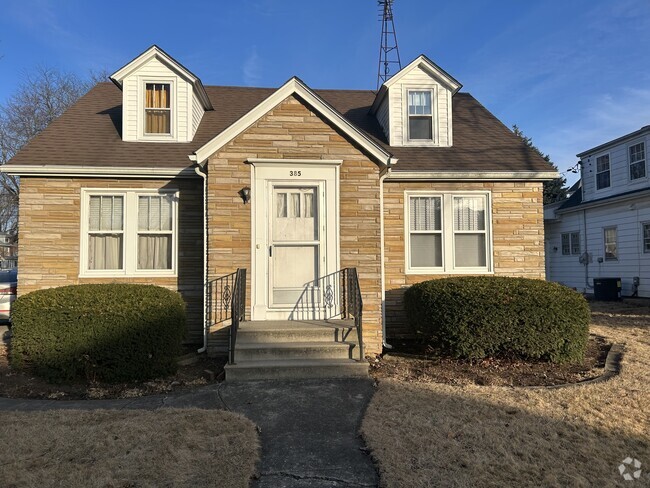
333	296
227	305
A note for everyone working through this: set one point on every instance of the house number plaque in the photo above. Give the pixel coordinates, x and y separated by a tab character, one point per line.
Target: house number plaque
295	173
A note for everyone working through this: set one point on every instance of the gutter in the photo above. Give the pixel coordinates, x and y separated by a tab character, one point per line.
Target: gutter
199	171
382	177
474	175
100	171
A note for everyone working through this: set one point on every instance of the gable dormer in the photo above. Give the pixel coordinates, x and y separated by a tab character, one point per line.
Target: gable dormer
162	101
414	106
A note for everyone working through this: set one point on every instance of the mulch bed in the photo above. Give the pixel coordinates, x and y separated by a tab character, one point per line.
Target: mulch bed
412	362
22	384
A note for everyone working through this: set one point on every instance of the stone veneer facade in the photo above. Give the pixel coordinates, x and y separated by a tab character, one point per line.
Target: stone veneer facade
517	237
292	131
50	221
49	239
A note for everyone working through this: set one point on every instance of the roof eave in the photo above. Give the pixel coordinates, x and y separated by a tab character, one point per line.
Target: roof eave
618	140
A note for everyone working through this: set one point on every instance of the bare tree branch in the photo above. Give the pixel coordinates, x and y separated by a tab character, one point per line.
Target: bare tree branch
42	96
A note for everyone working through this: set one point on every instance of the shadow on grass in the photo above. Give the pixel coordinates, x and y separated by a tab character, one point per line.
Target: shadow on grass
444	436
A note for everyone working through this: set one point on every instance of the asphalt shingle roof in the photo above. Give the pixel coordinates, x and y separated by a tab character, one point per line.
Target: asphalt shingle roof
89	134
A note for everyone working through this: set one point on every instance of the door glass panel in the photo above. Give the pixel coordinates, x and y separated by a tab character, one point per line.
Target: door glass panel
293	268
295	215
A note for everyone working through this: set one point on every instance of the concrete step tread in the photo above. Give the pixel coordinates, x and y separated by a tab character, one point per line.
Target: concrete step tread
296	324
293	345
298	363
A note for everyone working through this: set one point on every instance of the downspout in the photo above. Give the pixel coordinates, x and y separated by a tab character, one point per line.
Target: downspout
382	177
199	171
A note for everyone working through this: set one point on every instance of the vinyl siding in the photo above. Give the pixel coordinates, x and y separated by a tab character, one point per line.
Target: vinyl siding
383	117
627	217
197	115
133	102
619	170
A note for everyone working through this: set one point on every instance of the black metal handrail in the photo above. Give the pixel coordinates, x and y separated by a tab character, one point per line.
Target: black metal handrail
354	303
238	310
336	295
220	293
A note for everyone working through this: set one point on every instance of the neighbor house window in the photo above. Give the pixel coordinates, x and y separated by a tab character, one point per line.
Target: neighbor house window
158	108
646	238
570	243
637	161
611	252
447	233
602	172
420	115
128	232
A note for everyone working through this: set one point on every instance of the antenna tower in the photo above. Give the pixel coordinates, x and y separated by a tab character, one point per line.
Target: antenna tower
388	52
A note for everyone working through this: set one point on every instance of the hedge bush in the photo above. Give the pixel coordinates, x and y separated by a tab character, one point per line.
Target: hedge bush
109	332
477	317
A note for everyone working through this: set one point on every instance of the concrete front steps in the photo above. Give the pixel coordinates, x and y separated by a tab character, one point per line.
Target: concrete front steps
296	349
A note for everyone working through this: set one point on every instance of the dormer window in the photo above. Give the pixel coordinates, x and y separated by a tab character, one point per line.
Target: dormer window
158	108
420	115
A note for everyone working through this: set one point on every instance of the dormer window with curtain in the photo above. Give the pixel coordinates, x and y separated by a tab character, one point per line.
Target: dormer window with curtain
420	113
158	108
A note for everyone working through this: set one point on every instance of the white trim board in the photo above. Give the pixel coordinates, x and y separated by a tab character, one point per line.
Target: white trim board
293	87
98	171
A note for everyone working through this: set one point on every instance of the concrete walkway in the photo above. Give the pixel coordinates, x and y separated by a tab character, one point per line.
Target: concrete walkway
309	428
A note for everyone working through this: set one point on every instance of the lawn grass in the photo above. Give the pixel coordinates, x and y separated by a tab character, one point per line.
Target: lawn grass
127	448
430	434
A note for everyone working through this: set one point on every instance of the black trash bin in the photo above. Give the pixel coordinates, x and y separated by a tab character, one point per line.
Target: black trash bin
607	289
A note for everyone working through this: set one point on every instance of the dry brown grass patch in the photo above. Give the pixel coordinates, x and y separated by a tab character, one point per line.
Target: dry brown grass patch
440	435
102	448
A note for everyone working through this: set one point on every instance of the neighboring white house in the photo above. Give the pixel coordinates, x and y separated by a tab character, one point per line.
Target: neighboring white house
602	229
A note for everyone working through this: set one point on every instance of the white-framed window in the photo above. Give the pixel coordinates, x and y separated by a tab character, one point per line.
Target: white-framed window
448	232
609	237
603	175
128	232
637	161
157	108
570	243
420	115
646	237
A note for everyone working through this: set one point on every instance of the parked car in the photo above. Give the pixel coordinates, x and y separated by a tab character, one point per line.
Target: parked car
8	282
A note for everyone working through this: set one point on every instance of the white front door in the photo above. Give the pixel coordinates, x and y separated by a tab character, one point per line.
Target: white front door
295	236
296	248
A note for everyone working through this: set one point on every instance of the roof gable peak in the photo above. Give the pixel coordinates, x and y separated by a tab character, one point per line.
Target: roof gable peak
155	52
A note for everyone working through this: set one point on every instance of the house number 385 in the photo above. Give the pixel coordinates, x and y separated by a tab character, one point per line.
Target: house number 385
295	173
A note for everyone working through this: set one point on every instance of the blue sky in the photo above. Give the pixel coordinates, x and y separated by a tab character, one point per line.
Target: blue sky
572	74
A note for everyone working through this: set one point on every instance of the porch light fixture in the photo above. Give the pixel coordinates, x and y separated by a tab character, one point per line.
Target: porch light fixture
245	194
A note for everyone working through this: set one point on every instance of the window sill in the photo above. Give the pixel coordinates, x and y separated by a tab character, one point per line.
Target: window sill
122	274
467	271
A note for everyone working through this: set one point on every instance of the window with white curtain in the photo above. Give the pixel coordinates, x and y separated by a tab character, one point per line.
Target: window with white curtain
106	232
128	233
448	233
420	115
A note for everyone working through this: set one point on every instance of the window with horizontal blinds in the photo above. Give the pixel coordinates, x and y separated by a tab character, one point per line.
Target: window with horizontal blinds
469	232
129	232
602	172
155	232
425	225
106	232
158	108
420	115
448	232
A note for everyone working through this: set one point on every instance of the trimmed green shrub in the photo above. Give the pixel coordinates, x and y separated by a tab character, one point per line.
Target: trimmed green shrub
481	316
110	332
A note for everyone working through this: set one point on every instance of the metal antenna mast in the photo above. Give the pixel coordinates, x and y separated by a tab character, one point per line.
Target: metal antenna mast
388	52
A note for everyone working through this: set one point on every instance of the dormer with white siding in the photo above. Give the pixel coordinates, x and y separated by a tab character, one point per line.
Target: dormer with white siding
162	101
616	167
414	107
